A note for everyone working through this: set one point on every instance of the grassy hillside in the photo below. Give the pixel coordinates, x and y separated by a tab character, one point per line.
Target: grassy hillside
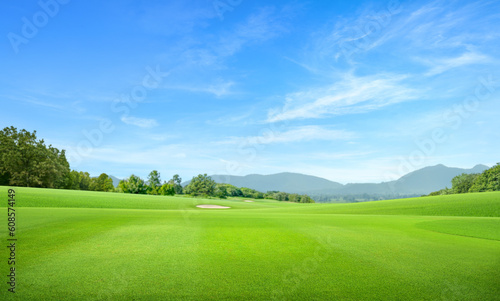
471	204
33	197
76	245
485	204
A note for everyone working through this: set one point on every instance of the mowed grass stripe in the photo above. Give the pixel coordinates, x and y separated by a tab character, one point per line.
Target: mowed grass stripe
213	256
49	198
274	252
110	252
485	204
483	228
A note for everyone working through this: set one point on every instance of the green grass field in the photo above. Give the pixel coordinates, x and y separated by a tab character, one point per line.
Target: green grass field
77	245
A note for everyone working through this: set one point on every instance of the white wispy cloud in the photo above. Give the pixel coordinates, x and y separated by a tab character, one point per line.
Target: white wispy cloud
351	95
265	24
234	118
160	137
339	41
219	88
295	134
198	57
175	17
34	101
126	154
444	24
467	58
261	26
73	107
140	122
440	28
341	155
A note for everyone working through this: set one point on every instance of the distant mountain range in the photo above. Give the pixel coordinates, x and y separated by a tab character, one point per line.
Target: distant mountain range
286	182
422	181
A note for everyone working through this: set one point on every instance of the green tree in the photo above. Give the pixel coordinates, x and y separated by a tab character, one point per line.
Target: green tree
133	184
250	193
489	180
282	196
102	183
176	181
306	199
230	189
444	191
78	180
93	184
85	180
54	168
221	191
462	183
167	189
234	191
4	178
73	180
271	195
201	185
258	195
27	161
154	182
294	198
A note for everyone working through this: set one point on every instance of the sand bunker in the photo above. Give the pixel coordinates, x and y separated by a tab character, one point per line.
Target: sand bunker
248	201
212	207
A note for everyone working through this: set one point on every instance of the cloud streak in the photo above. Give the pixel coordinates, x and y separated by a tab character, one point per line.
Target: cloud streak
437	29
295	134
351	95
467	58
218	89
140	122
264	25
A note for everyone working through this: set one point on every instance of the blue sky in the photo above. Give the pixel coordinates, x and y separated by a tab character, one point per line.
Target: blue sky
352	91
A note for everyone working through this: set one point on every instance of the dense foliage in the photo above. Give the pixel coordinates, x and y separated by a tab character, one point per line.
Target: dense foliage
489	180
288	197
27	161
133	184
358	198
201	185
225	190
102	183
153	186
79	180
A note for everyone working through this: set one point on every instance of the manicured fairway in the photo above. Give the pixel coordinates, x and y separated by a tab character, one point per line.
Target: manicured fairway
75	245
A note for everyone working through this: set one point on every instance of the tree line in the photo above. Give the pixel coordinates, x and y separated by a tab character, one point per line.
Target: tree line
27	161
357	198
153	185
488	180
225	190
201	185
